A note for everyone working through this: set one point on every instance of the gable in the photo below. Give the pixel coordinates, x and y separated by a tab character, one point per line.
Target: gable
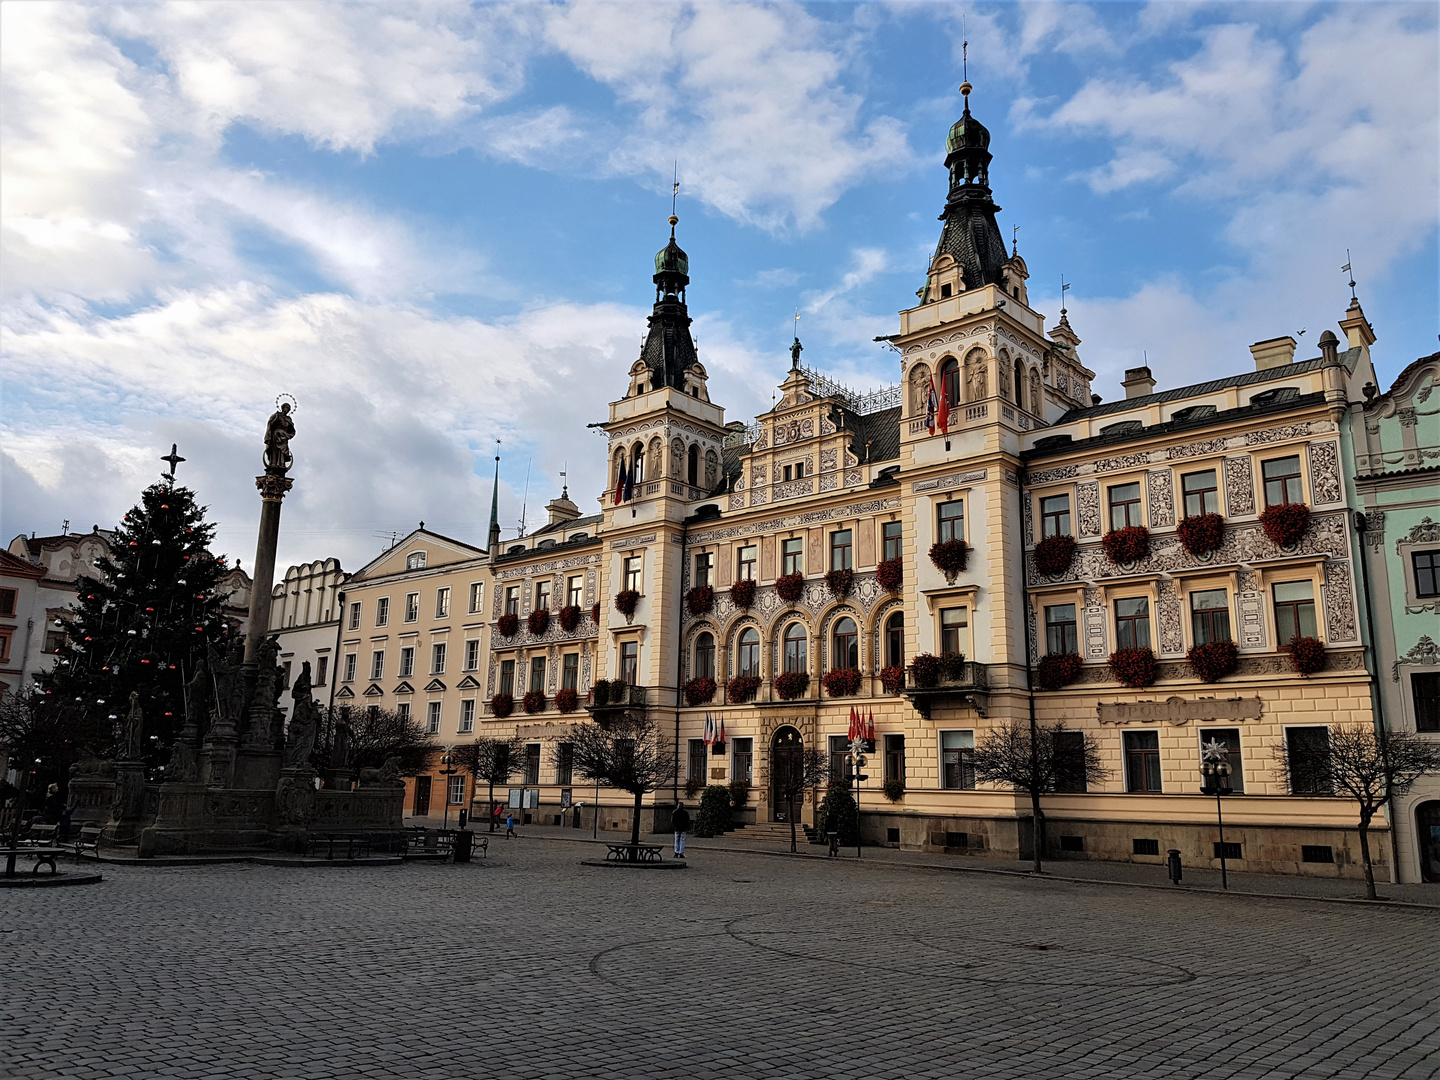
437	551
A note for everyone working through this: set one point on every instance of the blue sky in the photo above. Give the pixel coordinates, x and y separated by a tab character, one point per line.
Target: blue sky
433	223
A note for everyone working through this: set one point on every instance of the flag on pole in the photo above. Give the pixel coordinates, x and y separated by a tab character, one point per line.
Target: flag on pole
629	483
709	730
854	725
942	417
720	731
870	727
930	406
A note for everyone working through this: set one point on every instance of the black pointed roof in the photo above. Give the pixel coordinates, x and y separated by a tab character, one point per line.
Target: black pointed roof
971	235
669	349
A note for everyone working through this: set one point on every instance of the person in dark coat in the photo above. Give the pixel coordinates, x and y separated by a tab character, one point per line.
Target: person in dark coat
54	806
680	822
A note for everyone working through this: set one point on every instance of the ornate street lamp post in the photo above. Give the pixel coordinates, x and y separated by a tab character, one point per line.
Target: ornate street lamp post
1215	767
857	760
448	771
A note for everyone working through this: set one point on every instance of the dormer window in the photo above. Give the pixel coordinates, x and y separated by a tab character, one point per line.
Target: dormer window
945	291
415	561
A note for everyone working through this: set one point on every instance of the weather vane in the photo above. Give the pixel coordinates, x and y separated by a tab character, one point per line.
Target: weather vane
1064	288
1346	269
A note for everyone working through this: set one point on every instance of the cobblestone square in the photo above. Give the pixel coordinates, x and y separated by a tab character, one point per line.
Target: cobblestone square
530	965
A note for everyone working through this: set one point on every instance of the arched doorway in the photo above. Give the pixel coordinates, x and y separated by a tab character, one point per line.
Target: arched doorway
1427	829
786	749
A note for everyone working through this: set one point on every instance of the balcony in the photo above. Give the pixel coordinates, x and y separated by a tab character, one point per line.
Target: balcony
616	696
969	687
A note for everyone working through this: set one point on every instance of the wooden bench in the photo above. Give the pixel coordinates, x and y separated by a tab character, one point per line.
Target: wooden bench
88	840
353	846
431	842
42	835
632	852
43	856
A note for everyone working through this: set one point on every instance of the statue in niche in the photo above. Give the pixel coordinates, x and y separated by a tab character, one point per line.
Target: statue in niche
712	469
1037	405
278	432
656	468
975	376
919	389
677	458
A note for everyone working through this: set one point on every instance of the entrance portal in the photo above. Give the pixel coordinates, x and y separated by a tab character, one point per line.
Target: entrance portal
785	748
1427	828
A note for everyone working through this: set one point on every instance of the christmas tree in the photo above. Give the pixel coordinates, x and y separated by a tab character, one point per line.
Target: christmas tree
146	622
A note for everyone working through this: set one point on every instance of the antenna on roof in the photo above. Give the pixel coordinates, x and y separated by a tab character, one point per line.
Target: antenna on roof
525	500
1346	269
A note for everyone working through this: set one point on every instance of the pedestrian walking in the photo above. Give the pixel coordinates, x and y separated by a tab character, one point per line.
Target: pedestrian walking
510	826
680	822
54	805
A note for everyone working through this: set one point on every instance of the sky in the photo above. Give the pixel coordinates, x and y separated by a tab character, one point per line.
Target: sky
433	224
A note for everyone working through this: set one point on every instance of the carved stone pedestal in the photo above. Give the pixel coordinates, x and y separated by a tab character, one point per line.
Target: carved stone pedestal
128	807
294	807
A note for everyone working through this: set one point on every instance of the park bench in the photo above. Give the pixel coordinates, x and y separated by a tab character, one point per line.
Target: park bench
435	842
42	835
88	840
43	856
351	847
632	852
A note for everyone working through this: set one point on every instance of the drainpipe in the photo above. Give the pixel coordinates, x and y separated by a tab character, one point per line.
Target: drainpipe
1377	700
680	655
1037	828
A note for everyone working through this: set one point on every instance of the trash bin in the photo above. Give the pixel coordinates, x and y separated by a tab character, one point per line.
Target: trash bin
464	841
1172	864
464	817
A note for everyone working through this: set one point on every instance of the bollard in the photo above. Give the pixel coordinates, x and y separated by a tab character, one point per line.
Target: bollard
1172	864
834	838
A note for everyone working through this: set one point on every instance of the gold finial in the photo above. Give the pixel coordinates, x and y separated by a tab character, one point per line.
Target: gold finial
674	221
965	89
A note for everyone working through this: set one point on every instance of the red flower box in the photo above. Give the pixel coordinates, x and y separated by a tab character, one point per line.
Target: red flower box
508	624
1307	655
1214	660
538	622
626	601
950	557
595	613
1054	554
700	690
925	670
1134	668
892	678
533	702
842	682
742	688
567	700
1284	524
700	600
569	617
792	684
502	705
742	593
1202	534
790	587
1058	669
1127	545
841	582
891	575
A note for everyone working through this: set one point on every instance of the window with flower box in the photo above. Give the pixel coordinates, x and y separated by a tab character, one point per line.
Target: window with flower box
891	536
1282	480
895	640
537	674
1209	616
1061	631
841	550
1294	611
507	677
746	559
1201	493
634	565
950	520
792	555
1125	506
705	656
1132	623
954	623
512	600
847	645
795	641
1054	516
570	671
575	590
748	653
630	662
703	563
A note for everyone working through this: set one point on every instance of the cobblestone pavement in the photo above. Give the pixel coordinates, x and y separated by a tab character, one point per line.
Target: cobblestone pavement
530	965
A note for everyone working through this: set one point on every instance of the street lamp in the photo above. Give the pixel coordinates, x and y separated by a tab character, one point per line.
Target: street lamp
857	760
1215	767
448	771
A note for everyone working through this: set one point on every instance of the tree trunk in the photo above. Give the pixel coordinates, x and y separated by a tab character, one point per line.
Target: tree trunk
790	809
1037	829
635	824
1365	855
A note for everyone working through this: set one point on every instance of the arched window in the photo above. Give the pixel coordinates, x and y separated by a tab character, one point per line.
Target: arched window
895	640
637	457
748	658
950	380
847	645
705	656
693	473
795	648
1019	384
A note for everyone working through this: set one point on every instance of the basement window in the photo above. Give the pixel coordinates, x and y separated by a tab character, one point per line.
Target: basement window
1317	853
1140	846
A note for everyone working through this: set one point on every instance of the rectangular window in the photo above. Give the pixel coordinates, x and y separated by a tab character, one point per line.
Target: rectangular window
570	671
891	534
442	602
1229	738
542	595
630	662
412	606
787	473
841	550
477	596
472	654
1320	853
1061	632
512	600
7	602
895	758
950	520
1054	516
351	660
507	677
744	763
1426	565
1425	692
322	670
1142	761
54	641
745	560
437	658
957	759
1294	611
792	555
1070	761
407	662
5	635
382	611
840	770
457	791
1125	506
634	564
1202	493
355	616
1132	623
532	763
800	470
953	624
1282	480
702	568
537	674
1144	846
1308	752
1210	616
564	763
467	716
432	718
696	766
377	665
575	590
402	710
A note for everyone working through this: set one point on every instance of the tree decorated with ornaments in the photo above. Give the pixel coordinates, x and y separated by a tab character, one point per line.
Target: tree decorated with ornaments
145	624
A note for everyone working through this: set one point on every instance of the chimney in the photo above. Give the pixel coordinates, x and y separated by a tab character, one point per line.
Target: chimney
562	509
1329	347
1358	330
1273	352
1138	382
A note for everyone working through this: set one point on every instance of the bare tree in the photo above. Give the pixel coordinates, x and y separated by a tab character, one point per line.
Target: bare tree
493	761
58	732
794	772
1038	761
1371	769
375	736
628	754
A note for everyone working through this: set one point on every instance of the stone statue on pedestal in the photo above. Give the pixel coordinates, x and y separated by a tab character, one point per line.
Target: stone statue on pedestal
304	721
278	432
133	741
